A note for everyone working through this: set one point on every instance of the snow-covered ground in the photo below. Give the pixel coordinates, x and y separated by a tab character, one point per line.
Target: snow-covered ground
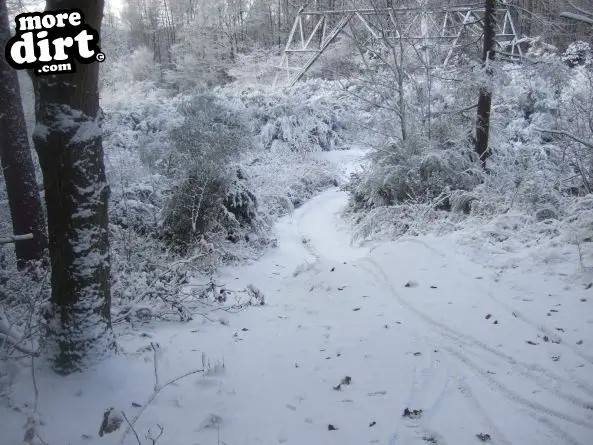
471	341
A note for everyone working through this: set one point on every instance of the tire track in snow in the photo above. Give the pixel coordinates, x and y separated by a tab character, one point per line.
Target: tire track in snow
512	311
530	368
527	369
558	431
534	373
380	276
512	395
474	401
463	339
320	208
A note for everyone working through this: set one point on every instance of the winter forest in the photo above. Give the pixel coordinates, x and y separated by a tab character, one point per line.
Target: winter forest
325	222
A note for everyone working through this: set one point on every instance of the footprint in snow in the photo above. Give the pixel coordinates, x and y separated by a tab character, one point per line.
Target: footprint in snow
211	421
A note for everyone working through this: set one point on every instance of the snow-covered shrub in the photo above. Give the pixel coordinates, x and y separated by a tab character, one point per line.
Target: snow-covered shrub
538	49
23	294
212	194
531	171
138	66
138	207
284	179
526	177
139	122
304	120
258	66
398	174
578	53
576	102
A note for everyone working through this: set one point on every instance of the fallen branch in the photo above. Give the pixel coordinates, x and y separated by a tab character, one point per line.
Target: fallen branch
568	135
15	238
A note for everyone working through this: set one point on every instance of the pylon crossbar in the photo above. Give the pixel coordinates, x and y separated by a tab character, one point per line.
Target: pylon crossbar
314	31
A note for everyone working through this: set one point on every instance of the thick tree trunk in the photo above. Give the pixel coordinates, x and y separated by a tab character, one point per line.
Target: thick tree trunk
69	144
17	162
485	100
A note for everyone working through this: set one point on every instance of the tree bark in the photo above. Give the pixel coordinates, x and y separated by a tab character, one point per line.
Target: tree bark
485	99
17	161
69	144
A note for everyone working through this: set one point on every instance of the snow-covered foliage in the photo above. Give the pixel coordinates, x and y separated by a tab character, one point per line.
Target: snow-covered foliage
578	53
204	174
309	118
201	56
397	175
204	156
212	193
417	187
256	67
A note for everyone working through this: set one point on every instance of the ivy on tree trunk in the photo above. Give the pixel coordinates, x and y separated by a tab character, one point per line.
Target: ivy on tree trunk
69	144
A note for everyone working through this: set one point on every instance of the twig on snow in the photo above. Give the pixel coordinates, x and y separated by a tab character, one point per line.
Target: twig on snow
153	396
131	427
155	439
156	367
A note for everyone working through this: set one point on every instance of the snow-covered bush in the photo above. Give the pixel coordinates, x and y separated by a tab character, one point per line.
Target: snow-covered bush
533	169
284	180
199	57
527	177
211	194
398	174
137	66
578	53
258	66
23	294
139	122
307	119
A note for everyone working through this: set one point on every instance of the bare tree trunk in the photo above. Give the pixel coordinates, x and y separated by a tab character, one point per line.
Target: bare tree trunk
17	163
69	144
485	100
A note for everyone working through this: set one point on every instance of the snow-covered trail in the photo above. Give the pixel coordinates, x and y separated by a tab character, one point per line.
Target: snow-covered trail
414	324
424	346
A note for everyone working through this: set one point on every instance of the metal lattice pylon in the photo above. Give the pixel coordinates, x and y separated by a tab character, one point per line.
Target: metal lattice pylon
314	31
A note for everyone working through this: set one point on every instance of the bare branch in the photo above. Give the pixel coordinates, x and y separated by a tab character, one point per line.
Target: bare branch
15	238
153	396
8	336
587	144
